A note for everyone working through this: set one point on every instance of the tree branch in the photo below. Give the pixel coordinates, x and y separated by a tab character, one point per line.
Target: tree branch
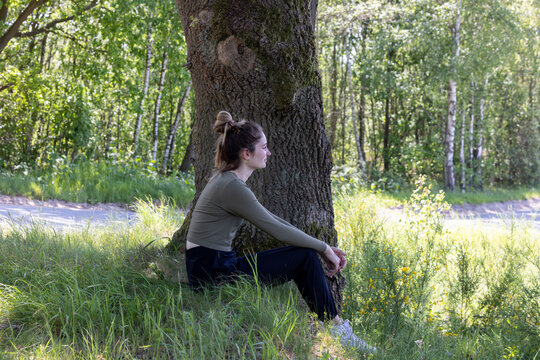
4	10
14	28
73	38
53	23
6	86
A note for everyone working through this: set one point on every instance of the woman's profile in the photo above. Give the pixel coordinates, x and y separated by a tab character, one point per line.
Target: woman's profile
227	201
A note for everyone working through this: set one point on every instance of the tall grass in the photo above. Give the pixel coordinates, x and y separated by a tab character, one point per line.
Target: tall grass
93	182
487	195
104	295
415	290
420	291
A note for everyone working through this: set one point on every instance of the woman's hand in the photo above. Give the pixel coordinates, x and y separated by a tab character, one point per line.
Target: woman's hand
335	259
342	257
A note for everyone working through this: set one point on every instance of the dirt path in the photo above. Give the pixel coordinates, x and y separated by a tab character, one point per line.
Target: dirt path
487	214
62	215
65	215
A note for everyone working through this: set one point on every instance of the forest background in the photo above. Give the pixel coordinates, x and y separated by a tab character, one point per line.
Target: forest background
96	105
444	89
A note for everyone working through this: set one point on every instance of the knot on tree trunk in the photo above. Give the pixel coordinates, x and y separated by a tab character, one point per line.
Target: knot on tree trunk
203	19
233	53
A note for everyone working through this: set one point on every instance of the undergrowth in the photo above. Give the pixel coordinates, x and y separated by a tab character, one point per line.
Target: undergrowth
95	182
415	290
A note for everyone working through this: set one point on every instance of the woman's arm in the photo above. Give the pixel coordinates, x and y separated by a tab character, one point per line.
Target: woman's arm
240	200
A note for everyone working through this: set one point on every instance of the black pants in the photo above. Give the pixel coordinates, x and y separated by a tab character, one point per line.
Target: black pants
276	266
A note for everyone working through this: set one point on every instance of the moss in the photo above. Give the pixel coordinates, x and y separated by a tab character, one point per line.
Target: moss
323	233
290	67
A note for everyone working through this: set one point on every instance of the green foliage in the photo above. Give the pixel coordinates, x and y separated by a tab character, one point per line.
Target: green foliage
417	290
404	56
93	182
76	88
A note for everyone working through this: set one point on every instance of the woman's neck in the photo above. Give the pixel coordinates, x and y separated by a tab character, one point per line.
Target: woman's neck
243	172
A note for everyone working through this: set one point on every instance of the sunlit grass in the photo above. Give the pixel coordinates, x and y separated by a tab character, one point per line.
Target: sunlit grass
416	289
476	197
419	289
108	294
93	182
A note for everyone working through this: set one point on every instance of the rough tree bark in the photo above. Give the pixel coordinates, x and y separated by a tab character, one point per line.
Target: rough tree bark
149	42
156	108
174	128
258	61
188	156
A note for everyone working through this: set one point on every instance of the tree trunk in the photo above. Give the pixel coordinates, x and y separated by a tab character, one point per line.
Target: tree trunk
362	120
449	179
108	132
245	62
149	42
118	132
463	180
174	127
498	141
361	161
362	110
480	131
471	139
4	11
374	131
156	108
188	156
386	135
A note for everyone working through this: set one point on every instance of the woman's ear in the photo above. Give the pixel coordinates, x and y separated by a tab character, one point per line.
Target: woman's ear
245	154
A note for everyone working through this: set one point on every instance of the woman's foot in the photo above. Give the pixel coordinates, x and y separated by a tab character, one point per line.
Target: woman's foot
348	338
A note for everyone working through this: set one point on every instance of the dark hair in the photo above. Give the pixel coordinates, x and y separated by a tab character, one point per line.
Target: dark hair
234	136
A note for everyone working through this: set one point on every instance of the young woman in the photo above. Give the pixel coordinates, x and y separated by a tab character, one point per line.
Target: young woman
220	210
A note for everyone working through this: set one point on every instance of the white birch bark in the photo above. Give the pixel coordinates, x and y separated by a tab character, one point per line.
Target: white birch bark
156	107
174	127
145	86
449	179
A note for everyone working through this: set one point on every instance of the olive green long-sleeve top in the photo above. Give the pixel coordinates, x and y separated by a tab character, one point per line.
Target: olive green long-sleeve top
224	203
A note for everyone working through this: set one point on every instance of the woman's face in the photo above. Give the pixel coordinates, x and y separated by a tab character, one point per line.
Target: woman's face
257	158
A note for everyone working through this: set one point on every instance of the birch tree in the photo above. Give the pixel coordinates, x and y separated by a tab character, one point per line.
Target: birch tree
174	128
149	42
449	179
156	108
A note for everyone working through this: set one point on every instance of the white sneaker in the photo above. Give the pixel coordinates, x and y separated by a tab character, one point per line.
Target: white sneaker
348	338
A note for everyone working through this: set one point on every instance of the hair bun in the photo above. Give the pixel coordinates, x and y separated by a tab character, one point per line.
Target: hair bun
223	122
